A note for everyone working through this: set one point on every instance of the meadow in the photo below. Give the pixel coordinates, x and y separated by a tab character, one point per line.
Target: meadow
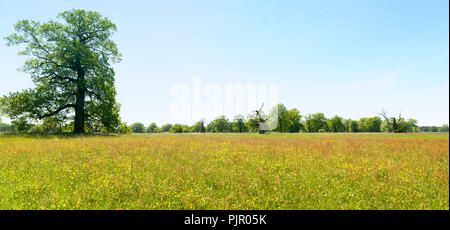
225	171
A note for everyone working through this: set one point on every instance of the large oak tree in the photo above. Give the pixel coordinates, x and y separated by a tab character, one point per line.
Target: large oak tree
70	65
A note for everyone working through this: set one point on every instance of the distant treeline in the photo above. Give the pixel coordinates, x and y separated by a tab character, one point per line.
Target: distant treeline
289	121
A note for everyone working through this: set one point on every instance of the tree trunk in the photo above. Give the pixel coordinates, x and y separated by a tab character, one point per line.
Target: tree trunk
281	125
79	113
394	126
79	104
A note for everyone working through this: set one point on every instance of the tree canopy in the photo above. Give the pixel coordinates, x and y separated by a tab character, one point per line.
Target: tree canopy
70	65
219	125
199	127
280	112
238	124
138	127
316	123
336	124
152	128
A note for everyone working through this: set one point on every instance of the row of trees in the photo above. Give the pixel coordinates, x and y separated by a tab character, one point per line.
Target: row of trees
291	121
288	121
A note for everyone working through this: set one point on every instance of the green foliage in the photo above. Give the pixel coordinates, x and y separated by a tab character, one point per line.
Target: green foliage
186	128
403	126
165	128
21	124
434	129
411	126
219	125
353	126
238	124
371	124
281	113
346	123
199	127
6	128
51	125
336	124
294	121
152	128
67	128
179	128
138	127
443	128
125	129
316	122
252	123
109	118
70	65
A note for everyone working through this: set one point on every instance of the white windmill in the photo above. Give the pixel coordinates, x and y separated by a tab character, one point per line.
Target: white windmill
266	124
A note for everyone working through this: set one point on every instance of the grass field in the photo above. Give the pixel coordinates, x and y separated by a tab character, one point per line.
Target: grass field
225	171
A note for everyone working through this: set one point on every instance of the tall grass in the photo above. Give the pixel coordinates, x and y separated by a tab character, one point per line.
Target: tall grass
225	171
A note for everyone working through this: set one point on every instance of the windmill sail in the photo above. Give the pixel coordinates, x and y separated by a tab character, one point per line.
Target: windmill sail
261	107
269	124
266	123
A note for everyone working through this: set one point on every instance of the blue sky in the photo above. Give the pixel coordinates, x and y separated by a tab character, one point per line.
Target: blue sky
340	57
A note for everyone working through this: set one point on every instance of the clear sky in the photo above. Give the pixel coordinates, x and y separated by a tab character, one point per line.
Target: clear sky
339	57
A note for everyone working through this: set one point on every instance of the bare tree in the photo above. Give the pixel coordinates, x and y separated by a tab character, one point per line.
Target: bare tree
392	121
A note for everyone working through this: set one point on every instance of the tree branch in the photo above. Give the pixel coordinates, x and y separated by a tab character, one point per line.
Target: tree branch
57	111
383	113
98	96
